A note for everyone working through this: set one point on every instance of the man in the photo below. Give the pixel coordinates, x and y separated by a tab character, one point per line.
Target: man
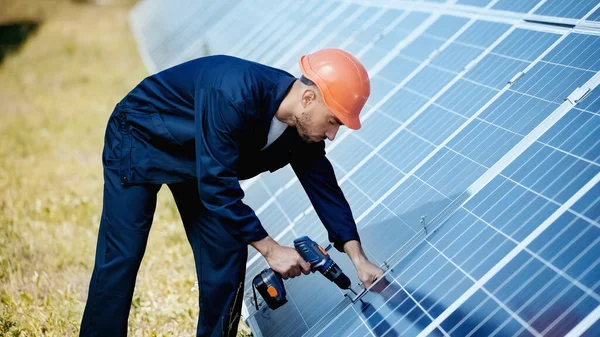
200	127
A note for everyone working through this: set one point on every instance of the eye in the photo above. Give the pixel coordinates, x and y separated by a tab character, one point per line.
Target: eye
331	121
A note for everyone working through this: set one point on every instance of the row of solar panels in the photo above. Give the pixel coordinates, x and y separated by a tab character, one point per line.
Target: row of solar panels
172	33
472	179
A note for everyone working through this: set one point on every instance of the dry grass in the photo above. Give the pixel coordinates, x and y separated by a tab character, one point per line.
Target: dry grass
56	94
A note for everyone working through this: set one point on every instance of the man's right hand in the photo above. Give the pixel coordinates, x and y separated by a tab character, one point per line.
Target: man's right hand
284	260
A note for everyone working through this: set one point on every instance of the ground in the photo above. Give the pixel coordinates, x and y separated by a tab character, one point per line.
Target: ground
56	93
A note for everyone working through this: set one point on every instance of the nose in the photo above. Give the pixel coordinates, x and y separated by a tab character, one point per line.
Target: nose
332	132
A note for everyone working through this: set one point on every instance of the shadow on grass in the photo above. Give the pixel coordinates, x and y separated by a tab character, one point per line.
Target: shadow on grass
14	34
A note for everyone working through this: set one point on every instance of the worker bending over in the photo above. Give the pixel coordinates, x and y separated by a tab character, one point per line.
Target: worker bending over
200	127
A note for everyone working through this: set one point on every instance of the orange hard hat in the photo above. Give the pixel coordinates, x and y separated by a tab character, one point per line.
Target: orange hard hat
342	80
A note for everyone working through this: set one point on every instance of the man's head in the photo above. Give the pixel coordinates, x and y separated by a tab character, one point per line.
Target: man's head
332	91
314	120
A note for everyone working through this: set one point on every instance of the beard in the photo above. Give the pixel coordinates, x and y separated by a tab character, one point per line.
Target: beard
301	126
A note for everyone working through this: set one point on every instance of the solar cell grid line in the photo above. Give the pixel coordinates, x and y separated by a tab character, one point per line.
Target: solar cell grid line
283	211
439	283
549	263
304	31
523	6
349	40
401	304
398	86
203	19
544	292
462	272
243	7
594	16
257	29
331	329
512	194
479	3
398	304
240	22
561	208
208	44
498	302
456	132
581	148
456	9
275	29
400	288
372	110
396	290
591	322
468	138
302	27
498	188
390	330
554	121
351	17
575	9
556	298
136	23
405	23
153	31
290	28
336	29
367	34
384	32
196	18
216	40
320	33
576	169
140	16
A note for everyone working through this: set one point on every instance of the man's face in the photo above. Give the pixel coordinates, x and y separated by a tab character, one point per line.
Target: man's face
316	122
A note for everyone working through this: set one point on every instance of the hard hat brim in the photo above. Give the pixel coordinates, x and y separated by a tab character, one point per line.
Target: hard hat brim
352	122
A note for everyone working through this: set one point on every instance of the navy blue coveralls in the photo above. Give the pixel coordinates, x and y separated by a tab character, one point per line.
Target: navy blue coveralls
199	127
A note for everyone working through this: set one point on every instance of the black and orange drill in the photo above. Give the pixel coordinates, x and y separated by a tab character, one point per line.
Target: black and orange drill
270	284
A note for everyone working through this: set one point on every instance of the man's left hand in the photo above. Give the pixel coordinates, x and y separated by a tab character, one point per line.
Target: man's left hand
367	271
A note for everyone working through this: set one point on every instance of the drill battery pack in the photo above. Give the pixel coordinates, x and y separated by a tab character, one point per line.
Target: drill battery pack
270	286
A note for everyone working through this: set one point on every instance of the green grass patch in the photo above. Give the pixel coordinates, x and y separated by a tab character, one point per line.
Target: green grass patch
58	90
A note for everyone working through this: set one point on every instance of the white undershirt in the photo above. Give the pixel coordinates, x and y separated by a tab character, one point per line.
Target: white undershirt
275	130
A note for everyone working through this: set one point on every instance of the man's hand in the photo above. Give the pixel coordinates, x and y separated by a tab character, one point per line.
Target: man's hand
367	271
284	260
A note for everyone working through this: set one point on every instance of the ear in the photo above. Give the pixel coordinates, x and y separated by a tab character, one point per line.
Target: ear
308	96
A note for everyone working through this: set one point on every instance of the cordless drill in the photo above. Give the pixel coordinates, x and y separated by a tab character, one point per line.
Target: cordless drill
270	284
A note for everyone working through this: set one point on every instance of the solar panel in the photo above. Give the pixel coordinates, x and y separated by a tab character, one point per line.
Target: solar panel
474	181
595	16
478	3
516	6
575	9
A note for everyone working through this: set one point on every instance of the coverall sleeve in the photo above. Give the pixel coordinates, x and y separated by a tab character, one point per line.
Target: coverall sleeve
219	126
315	173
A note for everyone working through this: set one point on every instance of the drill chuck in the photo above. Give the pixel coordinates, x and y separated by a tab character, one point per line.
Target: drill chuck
335	274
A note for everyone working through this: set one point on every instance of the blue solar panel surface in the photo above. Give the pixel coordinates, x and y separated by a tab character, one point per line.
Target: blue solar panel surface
595	16
475	179
575	9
